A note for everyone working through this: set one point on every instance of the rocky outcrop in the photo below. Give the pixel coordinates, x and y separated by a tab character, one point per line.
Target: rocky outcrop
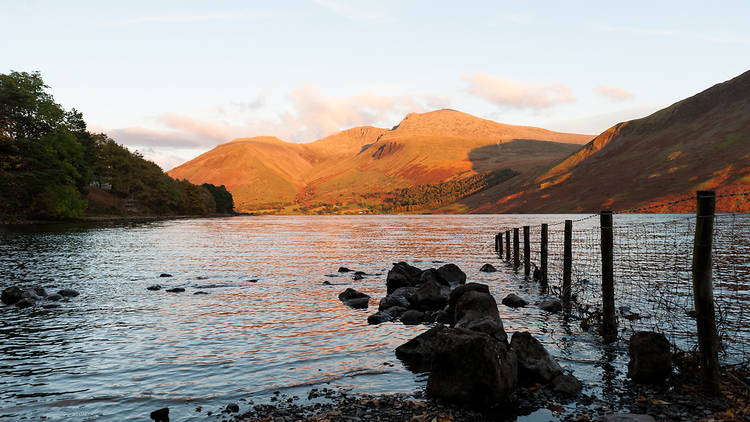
535	365
650	358
477	310
402	275
417	352
27	297
471	368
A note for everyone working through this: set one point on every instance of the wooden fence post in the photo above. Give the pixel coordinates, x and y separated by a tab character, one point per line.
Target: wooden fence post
543	257
526	252
703	290
516	258
609	326
507	245
567	262
499	241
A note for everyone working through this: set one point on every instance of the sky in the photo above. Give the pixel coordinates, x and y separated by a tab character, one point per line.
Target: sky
172	79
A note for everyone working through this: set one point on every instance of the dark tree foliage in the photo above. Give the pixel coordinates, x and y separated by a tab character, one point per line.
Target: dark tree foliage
437	194
48	161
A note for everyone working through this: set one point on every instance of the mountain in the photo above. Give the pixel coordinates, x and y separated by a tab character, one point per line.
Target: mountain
702	142
443	154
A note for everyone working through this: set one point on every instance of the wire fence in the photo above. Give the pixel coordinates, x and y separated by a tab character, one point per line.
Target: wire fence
653	258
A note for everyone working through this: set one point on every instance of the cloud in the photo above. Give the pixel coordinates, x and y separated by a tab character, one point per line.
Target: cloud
507	93
309	115
720	38
613	93
359	10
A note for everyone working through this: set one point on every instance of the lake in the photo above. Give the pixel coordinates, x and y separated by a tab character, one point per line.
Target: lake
268	323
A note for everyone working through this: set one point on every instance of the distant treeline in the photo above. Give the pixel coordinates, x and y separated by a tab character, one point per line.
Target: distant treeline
52	167
438	194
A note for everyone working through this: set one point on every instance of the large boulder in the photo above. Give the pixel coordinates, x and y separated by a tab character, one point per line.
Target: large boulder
402	275
416	354
452	275
650	358
431	296
412	317
11	295
535	365
460	290
566	385
471	368
395	300
386	315
477	310
350	293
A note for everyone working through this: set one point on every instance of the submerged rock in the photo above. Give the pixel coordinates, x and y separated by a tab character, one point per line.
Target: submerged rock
175	290
161	415
358	275
53	297
551	305
514	301
344	270
535	365
154	287
358	302
471	368
566	385
200	292
232	408
350	293
650	358
488	268
11	295
68	293
26	302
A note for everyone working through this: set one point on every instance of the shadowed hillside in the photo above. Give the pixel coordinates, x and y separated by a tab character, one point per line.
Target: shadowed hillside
364	168
702	142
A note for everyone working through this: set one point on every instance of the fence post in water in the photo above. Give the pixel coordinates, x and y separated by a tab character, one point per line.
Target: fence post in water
567	262
703	290
609	326
499	244
516	258
507	245
543	257
526	252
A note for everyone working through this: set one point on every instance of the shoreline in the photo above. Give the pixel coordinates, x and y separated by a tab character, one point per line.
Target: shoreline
96	219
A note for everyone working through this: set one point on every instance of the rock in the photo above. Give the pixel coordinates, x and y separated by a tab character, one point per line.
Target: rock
394	300
358	275
234	407
53	297
477	310
514	301
535	365
488	268
566	385
51	306
39	291
161	415
402	275
416	354
460	290
25	303
386	315
626	417
68	293
471	368
452	275
154	287
344	270
412	317
358	302
350	293
537	274
200	292
650	358
551	305
175	290
431	296
443	317
165	275
326	283
11	295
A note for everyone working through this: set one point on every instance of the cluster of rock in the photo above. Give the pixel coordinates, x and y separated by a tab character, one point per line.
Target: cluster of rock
28	297
471	361
415	296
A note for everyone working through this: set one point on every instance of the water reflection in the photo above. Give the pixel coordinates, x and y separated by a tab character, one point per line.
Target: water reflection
119	351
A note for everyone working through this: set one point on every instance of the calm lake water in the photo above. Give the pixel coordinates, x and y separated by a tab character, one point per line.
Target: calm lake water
119	351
